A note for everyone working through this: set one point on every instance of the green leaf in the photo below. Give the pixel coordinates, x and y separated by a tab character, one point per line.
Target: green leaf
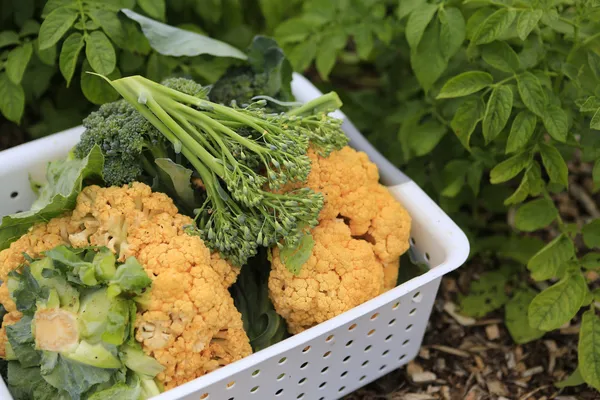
96	89
532	93
328	51
69	54
426	136
30	27
453	30
46	56
110	24
466	118
417	23
497	112
556	123
180	179
56	24
363	38
494	26
575	379
500	56
465	84
545	264
65	181
592	103
593	62
427	61
595	122
591	261
171	41
485	295
509	168
405	7
535	215
558	304
100	53
591	234
516	319
528	20
596	172
520	248
588	349
521	131
531	185
474	176
295	257
17	62
555	164
12	99
8	38
154	8
52	5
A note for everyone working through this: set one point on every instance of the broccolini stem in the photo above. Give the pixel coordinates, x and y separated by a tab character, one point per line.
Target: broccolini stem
328	102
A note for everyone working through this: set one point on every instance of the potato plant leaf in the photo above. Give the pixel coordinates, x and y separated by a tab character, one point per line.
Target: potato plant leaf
516	319
545	264
294	257
589	349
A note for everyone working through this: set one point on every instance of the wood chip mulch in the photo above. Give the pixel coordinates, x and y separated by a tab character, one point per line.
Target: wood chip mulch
462	358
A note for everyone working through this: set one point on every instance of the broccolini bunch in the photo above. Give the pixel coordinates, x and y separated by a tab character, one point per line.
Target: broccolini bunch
240	155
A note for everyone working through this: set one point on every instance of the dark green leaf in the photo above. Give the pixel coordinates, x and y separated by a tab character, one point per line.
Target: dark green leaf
453	31
575	379
454	174
417	23
509	168
96	89
521	131
555	164
17	62
405	7
593	62
426	136
474	177
363	38
328	51
8	38
30	27
588	349
154	8
21	341
110	24
475	20
494	26
171	41
528	20
520	248
497	112
180	179
52	5
69	54
427	61
100	53
556	123
500	56
532	93
591	234
531	185
591	261
535	215
546	263
46	56
516	319
74	377
12	99
559	303
595	122
469	113
486	294
294	257
465	84
592	103
56	24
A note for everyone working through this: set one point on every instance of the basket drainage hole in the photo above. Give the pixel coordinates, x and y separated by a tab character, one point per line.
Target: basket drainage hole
374	316
301	381
382	367
392	322
385	353
388	337
282	360
329	338
412	241
324	370
342	389
304	365
306	349
230	384
14	195
396	305
371	332
280	377
327	354
365	363
349	343
412	312
352	327
405	342
301	395
254	389
362	378
346	358
278	393
409	327
427	256
344	374
204	396
322	385
255	373
417	297
368	348
402	357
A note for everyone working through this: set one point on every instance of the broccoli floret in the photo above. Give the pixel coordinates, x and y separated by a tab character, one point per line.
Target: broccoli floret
187	86
124	137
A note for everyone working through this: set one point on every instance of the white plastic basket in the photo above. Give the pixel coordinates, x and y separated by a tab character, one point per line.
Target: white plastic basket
333	358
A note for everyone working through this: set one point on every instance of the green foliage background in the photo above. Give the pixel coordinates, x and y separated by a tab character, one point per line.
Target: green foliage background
482	102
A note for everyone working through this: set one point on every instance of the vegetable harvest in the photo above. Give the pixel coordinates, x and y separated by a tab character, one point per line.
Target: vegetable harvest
198	231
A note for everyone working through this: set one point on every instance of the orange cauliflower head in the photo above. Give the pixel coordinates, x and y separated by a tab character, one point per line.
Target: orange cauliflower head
189	322
341	273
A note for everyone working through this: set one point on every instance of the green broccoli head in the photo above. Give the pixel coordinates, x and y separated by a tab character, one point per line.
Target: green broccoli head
186	86
123	136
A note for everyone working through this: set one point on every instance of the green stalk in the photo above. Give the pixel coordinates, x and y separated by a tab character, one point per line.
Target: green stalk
330	101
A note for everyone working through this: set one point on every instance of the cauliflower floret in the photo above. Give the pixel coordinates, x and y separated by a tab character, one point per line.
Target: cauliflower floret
9	318
390	275
350	184
341	273
190	324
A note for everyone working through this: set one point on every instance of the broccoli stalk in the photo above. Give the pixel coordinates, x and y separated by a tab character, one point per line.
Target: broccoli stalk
246	149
